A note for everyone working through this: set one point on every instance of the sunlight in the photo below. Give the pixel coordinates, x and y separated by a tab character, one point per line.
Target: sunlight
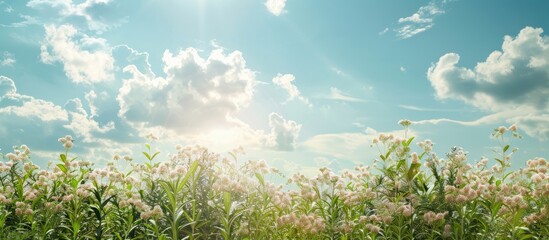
222	139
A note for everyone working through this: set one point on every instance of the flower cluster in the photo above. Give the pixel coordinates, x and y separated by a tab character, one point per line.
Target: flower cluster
408	193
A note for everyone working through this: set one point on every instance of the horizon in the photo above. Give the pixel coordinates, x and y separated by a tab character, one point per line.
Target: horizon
299	84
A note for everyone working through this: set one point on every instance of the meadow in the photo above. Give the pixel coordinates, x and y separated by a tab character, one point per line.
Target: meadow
197	194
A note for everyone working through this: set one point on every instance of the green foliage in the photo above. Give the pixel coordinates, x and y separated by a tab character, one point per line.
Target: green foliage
197	195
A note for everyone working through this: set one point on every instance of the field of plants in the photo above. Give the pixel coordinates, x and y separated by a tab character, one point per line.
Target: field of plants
197	194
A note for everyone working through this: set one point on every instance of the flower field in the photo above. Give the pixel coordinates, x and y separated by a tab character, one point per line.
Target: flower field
197	194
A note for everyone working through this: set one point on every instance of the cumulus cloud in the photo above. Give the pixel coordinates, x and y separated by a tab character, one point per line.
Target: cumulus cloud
420	21
517	76
21	113
82	124
196	93
336	94
286	82
514	80
7	59
7	87
284	133
85	59
12	103
276	7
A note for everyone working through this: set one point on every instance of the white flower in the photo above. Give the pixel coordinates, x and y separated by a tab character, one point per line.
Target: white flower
405	122
502	129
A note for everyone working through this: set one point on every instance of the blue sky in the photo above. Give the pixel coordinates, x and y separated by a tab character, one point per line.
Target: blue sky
301	84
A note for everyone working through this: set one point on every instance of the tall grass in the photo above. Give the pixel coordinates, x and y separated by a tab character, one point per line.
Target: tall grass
197	194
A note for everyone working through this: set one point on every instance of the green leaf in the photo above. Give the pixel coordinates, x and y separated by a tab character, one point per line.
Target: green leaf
260	178
62	167
506	148
63	158
407	143
227	201
147	156
500	162
413	171
154	155
191	172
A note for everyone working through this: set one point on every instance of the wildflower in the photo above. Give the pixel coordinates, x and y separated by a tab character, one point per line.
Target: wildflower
68	198
25	149
13	157
405	122
4	200
259	167
68	144
116	157
537	178
482	163
415	158
243	230
128	158
406	210
432	217
373	228
427	145
346	227
447	231
513	128
30	195
501	130
151	137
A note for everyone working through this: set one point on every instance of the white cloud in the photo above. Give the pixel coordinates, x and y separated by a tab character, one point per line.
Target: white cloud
8	9
336	94
488	119
518	77
276	7
284	133
31	107
90	98
24	106
402	69
514	81
7	87
27	20
338	71
82	124
383	31
423	109
196	93
86	60
351	146
44	120
7	59
420	21
339	145
88	10
286	82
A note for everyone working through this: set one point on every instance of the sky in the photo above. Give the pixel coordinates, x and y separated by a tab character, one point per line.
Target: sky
301	84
